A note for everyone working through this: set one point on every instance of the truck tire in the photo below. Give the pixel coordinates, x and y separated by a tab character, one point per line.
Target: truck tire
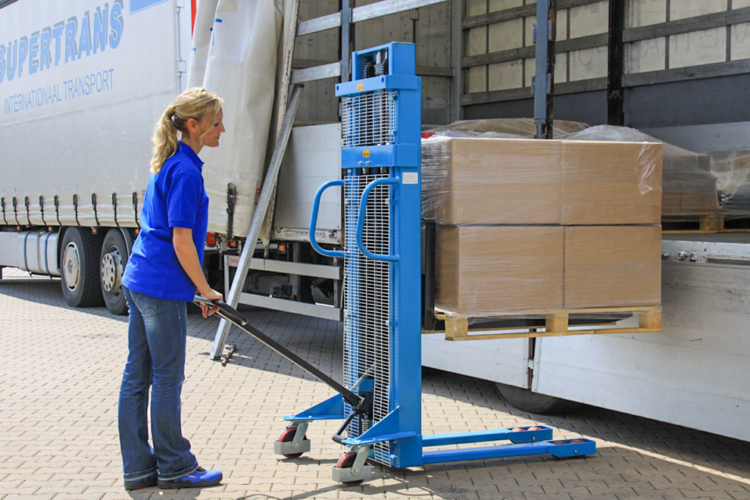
113	259
80	268
533	402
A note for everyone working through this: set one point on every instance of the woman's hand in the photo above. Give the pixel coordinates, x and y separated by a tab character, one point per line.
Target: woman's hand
210	294
184	247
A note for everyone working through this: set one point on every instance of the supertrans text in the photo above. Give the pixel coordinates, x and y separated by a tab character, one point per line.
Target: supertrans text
64	42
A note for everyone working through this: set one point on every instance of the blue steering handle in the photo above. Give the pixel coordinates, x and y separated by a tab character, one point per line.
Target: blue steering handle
361	220
314	220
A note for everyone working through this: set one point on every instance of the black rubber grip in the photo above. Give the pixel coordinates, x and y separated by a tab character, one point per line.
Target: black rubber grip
225	309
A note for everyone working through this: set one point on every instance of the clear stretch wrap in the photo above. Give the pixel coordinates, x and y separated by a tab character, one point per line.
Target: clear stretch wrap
531	226
732	171
468	180
689	187
503	127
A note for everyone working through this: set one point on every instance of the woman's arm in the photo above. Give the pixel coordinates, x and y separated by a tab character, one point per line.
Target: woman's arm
184	247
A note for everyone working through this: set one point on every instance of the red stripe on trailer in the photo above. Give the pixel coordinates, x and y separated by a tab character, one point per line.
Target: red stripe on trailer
192	15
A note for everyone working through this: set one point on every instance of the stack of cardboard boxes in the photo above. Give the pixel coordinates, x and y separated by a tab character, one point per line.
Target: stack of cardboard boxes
732	171
532	225
688	184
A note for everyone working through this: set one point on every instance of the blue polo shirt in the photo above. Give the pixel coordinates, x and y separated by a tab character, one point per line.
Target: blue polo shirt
175	197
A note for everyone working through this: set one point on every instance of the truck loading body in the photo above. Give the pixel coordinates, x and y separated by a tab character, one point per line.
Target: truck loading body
82	84
79	109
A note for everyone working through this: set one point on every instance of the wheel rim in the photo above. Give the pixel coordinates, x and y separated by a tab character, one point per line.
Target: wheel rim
111	272
287	436
346	461
72	266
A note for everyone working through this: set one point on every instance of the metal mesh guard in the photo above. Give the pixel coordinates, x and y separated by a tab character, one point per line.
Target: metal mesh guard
369	119
367	303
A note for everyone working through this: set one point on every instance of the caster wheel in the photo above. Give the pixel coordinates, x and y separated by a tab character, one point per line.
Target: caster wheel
345	462
286	437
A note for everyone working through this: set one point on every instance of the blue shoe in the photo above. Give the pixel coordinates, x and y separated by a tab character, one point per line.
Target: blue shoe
144	482
199	478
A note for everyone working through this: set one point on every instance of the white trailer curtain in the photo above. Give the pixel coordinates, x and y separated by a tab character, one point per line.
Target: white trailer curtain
234	54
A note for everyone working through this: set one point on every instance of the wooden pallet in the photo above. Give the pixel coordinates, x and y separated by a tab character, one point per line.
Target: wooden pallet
557	324
713	221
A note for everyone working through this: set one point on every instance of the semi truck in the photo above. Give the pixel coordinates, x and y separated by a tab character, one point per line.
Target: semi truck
82	84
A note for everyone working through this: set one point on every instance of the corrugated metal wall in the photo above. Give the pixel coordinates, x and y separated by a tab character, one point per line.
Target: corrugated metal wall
676	53
428	27
500	55
318	103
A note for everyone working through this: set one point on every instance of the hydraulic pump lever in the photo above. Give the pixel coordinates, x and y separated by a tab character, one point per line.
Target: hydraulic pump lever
362	405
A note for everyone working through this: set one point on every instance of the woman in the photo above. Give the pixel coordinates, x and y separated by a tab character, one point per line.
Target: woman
162	275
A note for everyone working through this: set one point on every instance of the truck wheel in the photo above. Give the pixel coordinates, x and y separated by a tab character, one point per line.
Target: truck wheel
533	402
113	259
80	268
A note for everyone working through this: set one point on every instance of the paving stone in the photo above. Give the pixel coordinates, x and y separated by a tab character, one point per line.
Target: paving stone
135	495
23	496
63	443
21	490
80	496
705	494
577	492
545	496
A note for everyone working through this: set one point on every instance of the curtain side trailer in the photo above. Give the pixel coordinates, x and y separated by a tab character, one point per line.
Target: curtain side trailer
82	84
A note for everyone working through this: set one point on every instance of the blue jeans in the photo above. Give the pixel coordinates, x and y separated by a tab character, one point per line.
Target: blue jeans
157	332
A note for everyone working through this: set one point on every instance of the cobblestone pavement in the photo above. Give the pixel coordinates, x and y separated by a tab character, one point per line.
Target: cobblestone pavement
61	370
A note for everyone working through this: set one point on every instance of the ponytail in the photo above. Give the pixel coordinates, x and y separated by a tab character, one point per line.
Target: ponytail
194	103
165	140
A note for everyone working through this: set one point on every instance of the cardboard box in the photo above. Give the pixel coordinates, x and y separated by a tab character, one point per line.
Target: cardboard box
698	203
519	181
491	181
690	204
612	266
671	203
681	165
608	183
483	269
687	178
696	189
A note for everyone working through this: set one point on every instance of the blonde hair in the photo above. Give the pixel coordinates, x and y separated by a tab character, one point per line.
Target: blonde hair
194	103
